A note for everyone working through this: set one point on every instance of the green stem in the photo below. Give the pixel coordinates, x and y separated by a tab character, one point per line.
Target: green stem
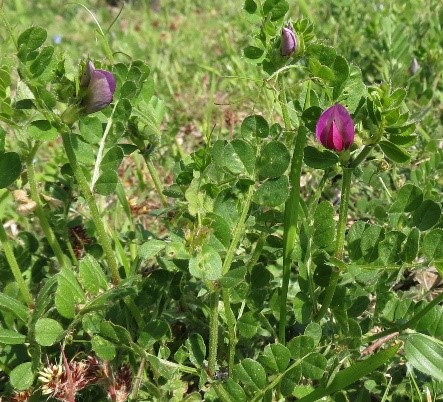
213	331
10	257
340	241
52	240
230	318
104	239
292	206
156	179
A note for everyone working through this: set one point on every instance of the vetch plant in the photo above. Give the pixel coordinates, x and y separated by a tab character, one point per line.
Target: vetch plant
278	260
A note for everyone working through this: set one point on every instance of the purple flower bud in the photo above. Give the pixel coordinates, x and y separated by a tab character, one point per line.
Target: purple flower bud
99	88
335	128
288	41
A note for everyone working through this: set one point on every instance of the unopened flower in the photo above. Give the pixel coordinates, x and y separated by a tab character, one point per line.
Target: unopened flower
288	41
335	128
99	88
21	396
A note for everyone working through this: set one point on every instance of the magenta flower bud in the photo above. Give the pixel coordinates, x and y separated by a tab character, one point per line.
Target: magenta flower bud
99	88
335	128
288	41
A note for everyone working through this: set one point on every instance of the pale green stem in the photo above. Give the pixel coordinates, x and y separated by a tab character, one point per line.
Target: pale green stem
49	234
103	237
340	241
284	104
156	179
213	331
230	318
10	257
292	206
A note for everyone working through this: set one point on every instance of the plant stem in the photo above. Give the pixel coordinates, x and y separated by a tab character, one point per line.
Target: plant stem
10	257
213	331
340	241
52	240
230	318
103	237
155	178
292	206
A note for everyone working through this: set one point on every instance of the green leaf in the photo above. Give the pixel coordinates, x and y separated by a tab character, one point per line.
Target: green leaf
197	349
254	54
128	90
112	159
207	264
272	192
314	331
314	366
91	129
250	6
239	157
254	126
151	248
83	151
233	277
47	331
247	324
13	306
91	275
426	215
30	40
42	130
324	226
394	152
274	160
10	168
234	391
156	330
275	357
251	373
300	346
319	159
68	293
410	247
42	61
390	247
275	8
349	375
103	348
22	377
10	337
433	244
409	198
106	183
425	354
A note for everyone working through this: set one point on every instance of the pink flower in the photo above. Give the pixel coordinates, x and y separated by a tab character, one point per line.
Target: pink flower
288	41
335	128
99	88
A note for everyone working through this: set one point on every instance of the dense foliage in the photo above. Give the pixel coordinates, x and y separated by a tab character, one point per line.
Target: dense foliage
224	203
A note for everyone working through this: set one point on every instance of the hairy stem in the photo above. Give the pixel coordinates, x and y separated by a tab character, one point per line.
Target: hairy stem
340	241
